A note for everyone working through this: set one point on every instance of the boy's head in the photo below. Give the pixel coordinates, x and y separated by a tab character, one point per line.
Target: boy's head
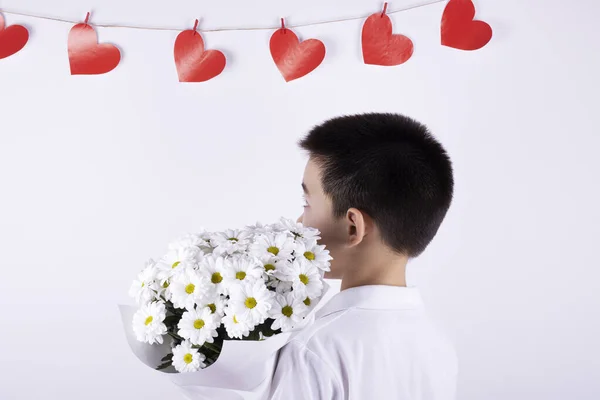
376	181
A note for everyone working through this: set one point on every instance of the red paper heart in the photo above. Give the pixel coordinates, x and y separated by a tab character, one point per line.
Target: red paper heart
295	59
459	30
193	63
12	39
380	46
86	56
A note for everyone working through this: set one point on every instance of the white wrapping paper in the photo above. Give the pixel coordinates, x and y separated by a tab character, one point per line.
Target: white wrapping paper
243	370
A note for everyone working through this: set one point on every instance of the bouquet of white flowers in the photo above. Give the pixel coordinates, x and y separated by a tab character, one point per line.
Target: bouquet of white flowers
224	287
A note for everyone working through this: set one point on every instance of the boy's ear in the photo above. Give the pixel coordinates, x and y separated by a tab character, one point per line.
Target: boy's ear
357	228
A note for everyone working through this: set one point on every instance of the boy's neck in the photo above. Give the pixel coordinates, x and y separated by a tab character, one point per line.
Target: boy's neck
386	272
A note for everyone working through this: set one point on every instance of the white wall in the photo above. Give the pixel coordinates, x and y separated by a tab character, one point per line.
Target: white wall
98	173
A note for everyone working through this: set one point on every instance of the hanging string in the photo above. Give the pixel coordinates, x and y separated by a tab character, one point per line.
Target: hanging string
150	28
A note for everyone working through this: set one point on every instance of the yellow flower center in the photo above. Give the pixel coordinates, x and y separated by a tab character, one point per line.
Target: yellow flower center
148	320
198	324
213	308
250	302
216	278
176	263
233	239
307	301
303	279
309	255
240	275
235	321
273	250
166	284
269	267
189	289
143	283
188	358
287	311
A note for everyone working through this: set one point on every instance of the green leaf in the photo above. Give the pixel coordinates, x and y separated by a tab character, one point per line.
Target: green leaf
165	365
167	357
222	333
254	335
265	328
178	339
171	320
215	347
210	360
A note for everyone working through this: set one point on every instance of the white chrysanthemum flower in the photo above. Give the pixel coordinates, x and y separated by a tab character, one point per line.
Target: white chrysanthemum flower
188	288
163	288
235	325
259	228
251	301
187	359
310	303
299	230
200	239
190	240
275	228
288	311
313	253
230	241
212	269
144	289
273	265
306	279
175	262
198	326
280	245
216	305
239	270
148	324
281	286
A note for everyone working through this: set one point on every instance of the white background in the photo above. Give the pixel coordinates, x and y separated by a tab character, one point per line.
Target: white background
99	173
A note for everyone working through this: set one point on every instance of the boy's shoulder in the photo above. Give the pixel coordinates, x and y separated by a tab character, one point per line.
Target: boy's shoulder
318	342
365	314
335	332
322	329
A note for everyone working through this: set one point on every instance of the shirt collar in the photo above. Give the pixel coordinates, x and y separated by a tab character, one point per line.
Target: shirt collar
377	297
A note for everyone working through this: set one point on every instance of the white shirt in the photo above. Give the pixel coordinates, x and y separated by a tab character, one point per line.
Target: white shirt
371	342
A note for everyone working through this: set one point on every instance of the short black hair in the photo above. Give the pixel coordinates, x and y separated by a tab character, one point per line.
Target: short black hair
388	166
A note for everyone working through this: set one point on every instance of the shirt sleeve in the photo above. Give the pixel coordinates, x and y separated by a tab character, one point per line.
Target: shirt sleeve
300	374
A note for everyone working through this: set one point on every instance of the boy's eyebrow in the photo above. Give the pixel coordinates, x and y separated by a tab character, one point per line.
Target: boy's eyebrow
305	188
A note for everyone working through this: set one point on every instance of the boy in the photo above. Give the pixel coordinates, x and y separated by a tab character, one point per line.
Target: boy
377	186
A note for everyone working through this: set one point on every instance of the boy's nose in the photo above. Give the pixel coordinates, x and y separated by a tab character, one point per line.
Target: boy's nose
300	219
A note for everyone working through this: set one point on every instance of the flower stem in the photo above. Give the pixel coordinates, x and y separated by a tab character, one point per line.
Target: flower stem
175	336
